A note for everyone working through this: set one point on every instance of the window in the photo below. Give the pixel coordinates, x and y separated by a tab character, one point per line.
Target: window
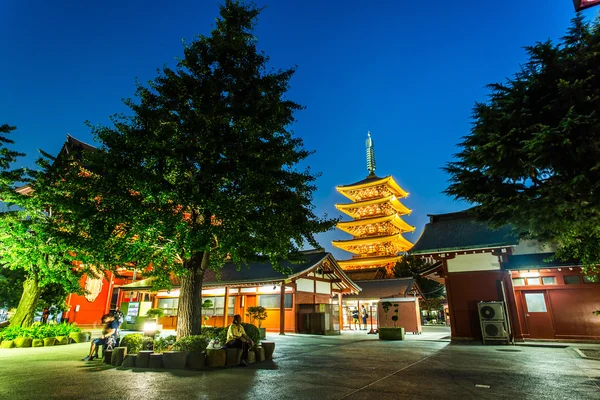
533	281
169	306
274	300
518	281
218	306
572	279
549	280
535	302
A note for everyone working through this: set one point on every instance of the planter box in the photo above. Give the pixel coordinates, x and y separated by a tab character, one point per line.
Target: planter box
117	356
174	359
49	341
7	344
37	343
216	357
391	333
196	360
61	340
23	342
156	361
269	349
251	357
79	337
263	333
234	356
107	356
143	359
129	361
259	353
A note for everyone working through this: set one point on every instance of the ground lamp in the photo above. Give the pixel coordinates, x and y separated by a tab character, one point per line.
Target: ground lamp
583	4
150	328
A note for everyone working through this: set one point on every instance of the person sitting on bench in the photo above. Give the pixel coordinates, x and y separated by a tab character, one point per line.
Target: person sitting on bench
237	338
110	328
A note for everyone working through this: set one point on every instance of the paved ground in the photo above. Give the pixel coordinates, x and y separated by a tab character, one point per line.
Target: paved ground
354	366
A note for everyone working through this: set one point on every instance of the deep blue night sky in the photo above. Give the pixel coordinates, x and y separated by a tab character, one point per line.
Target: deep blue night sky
407	71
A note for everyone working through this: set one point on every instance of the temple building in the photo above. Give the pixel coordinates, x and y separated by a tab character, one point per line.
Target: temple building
376	227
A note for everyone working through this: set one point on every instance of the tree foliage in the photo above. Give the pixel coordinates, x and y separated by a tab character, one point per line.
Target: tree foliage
26	241
411	267
203	170
532	158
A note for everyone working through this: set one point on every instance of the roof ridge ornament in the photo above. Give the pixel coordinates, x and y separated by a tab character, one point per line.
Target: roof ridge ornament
370	155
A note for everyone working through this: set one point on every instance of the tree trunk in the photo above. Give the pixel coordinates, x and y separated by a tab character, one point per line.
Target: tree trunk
189	311
26	308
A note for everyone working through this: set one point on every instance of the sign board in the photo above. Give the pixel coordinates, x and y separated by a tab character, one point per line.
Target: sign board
583	4
133	309
322	308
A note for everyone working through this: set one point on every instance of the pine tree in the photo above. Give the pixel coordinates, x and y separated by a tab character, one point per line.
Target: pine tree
532	157
26	243
203	171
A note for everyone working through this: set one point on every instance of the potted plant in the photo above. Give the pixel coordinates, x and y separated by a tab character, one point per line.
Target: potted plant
259	314
194	347
395	333
206	305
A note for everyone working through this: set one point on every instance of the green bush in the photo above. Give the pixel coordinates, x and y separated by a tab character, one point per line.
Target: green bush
147	343
192	344
155	313
10	333
133	342
252	331
215	333
162	344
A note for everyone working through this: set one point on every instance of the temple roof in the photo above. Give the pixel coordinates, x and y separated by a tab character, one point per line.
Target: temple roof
460	231
534	261
392	218
373	180
378	289
261	273
398	238
393	200
362	261
366	274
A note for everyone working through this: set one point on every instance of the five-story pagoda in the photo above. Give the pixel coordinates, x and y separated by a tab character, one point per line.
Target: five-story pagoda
377	226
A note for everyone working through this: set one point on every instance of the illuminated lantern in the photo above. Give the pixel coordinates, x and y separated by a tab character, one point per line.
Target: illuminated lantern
583	4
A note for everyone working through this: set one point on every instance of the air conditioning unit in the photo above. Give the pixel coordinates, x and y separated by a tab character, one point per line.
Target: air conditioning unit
492	318
494	330
491	311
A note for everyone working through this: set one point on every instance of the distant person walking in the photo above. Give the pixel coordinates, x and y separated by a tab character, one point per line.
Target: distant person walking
364	315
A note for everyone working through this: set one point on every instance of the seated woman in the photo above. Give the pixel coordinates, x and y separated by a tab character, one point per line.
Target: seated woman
109	330
237	338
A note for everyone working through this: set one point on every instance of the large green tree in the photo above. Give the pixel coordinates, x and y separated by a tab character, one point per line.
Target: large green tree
204	169
532	158
26	242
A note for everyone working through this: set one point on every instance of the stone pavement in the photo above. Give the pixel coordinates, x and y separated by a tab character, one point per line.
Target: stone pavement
317	367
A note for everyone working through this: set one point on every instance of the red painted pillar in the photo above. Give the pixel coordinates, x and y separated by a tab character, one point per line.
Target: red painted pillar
282	310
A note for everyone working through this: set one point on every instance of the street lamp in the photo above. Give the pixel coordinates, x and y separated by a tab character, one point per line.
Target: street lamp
583	4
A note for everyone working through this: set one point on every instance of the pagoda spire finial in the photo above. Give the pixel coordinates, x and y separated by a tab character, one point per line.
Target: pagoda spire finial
370	155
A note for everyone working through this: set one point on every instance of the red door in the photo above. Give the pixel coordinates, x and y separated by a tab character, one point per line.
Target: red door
537	314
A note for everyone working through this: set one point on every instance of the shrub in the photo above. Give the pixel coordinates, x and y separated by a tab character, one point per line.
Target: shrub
148	343
252	331
133	342
215	333
10	333
155	313
193	344
257	313
162	344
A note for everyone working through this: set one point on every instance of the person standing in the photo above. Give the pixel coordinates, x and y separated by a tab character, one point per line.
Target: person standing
355	318
364	315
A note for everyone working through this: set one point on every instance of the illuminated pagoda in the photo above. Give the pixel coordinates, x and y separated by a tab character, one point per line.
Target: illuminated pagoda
377	226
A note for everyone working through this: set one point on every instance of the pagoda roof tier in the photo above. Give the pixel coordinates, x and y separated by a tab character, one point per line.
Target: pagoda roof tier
368	261
397	239
394	219
370	181
392	200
